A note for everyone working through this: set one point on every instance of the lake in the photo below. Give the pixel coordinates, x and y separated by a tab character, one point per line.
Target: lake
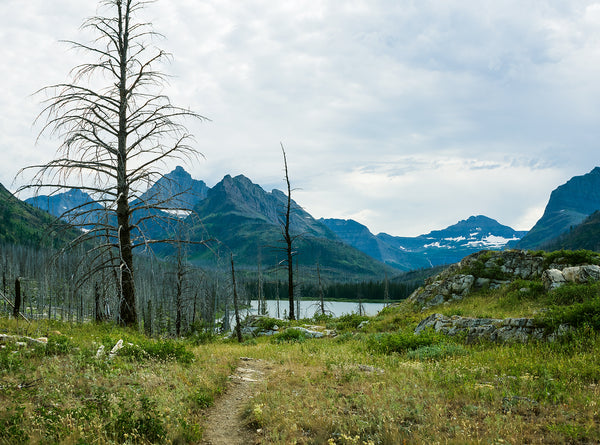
309	307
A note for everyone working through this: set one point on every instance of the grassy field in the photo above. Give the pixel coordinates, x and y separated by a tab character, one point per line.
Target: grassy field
377	385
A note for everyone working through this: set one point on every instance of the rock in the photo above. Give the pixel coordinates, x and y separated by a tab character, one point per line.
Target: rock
100	352
554	278
308	333
363	324
508	330
370	369
116	348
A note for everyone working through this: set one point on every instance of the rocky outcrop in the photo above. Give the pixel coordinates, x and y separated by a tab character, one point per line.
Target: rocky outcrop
553	278
507	330
490	269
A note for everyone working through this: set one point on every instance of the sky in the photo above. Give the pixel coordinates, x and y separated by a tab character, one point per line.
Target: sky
404	115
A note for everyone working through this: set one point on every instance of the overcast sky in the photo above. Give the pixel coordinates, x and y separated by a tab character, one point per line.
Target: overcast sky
406	116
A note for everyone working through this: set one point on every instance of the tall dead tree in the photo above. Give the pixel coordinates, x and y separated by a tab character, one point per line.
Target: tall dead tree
288	239
117	129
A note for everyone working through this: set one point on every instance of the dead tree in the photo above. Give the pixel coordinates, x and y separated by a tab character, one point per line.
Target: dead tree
17	306
238	325
288	240
117	129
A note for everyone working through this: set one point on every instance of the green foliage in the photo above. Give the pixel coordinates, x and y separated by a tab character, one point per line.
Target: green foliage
347	322
514	294
11	425
437	351
402	341
143	421
166	350
267	323
577	315
479	269
202	337
571	257
290	335
10	360
203	398
59	345
573	293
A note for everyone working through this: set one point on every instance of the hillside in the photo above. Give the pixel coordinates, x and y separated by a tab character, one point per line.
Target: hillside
21	223
583	236
569	205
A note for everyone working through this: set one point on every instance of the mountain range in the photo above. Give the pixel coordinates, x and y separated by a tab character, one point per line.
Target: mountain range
240	217
438	247
246	220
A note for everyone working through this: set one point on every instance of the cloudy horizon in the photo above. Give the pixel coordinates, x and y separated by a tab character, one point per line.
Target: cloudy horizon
405	116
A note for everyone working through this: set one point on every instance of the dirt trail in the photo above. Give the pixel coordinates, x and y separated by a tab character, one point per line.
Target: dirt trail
224	423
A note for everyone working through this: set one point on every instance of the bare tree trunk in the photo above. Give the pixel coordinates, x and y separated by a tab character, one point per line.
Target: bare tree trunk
238	326
17	307
288	241
321	299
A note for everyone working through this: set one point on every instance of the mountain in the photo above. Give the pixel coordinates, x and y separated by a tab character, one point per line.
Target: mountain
583	236
60	203
21	223
245	219
176	190
569	205
435	248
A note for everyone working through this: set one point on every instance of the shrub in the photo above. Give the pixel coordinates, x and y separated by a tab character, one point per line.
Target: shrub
167	350
147	423
202	337
10	360
437	352
572	257
573	293
347	322
403	341
267	323
59	345
577	315
289	336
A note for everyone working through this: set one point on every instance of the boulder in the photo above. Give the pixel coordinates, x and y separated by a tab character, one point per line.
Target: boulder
554	278
508	330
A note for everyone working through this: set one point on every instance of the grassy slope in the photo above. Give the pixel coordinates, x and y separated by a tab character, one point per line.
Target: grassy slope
345	390
23	224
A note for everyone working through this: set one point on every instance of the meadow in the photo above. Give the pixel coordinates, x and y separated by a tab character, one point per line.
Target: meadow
377	384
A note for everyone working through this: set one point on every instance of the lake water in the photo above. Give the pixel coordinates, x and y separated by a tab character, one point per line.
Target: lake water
309	307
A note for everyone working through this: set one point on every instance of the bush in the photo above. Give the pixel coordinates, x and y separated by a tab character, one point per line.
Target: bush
573	293
402	341
147	423
577	315
267	323
572	257
59	345
167	350
290	336
437	352
202	337
347	322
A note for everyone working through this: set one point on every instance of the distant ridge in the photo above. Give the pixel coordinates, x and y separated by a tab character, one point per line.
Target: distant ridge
569	205
432	249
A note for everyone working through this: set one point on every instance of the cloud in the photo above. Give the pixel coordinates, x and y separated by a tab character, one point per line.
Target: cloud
408	115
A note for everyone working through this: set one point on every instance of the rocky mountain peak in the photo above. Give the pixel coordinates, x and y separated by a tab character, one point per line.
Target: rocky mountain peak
569	205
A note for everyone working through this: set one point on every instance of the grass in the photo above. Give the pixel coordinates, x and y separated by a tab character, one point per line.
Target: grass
380	384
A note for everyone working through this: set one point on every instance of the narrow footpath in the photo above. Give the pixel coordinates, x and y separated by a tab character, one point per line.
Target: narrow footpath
224	424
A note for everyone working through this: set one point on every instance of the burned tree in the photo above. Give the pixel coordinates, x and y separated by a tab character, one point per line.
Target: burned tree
288	240
117	130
